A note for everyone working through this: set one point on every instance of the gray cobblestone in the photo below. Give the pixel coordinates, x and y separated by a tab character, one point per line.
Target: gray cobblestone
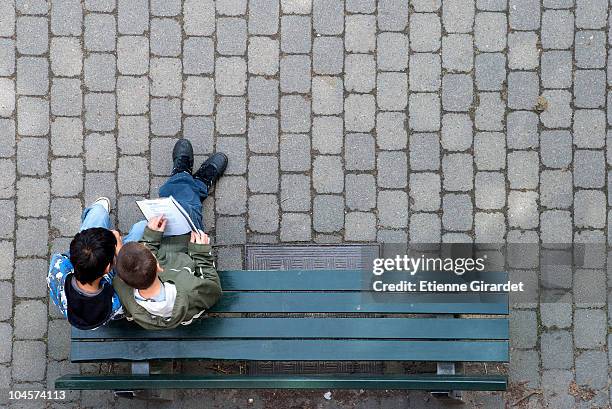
328	17
295	34
556	226
523	169
391	130
360	35
7	137
425	228
589	169
199	17
359	113
6	336
489	227
295	73
589	89
133	137
7	263
161	159
490	71
490	31
263	134
490	112
589	128
490	190
392	208
133	16
523	90
592	369
557	315
32	35
458	16
424	151
66	17
392	169
458	169
490	151
98	155
524	15
557	29
132	95
327	175
360	192
66	97
100	32
523	52
32	237
424	112
198	55
392	15
165	37
391	91
327	134
231	36
100	112
590	49
263	56
523	210
295	152
32	154
235	149
524	325
392	52
7	224
425	191
231	115
360	226
425	71
556	69
32	116
328	55
100	5
7	99
99	71
65	215
591	13
361	6
33	197
65	56
295	227
231	195
32	76
263	16
493	5
198	97
524	367
522	130
170	7
295	193
7	56
263	174
327	95
133	175
29	361
456	132
295	114
328	213
425	32
30	319
6	301
589	209
230	76
360	73
457	212
457	52
590	288
165	77
263	213
359	152
556	189
559	113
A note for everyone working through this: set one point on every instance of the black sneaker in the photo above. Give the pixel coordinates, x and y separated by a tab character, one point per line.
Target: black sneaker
212	169
182	157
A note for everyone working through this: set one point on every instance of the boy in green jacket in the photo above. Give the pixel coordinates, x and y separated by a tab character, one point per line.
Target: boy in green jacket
166	281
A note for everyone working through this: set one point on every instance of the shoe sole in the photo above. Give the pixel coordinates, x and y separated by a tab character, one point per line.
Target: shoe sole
104	201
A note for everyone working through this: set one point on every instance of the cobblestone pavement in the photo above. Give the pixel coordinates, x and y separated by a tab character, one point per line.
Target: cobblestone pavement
344	121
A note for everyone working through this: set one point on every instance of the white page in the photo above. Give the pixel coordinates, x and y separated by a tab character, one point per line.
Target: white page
177	223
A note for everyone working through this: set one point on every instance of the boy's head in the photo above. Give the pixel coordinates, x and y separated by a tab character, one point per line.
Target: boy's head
137	266
91	254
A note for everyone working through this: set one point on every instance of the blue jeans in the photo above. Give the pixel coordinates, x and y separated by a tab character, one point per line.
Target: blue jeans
97	216
189	192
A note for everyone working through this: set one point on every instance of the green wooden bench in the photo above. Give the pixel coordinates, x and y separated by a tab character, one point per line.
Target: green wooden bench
446	339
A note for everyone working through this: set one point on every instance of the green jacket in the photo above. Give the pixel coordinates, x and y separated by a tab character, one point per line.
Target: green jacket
190	267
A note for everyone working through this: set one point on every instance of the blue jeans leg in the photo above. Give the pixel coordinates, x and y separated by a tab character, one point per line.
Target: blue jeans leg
136	232
189	192
95	216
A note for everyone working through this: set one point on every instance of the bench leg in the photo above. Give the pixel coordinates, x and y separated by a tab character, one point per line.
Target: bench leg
144	368
448	368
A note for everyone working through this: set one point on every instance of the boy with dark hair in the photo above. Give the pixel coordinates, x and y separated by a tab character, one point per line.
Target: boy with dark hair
80	282
166	281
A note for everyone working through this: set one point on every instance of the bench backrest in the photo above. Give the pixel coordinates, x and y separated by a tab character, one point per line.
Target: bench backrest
360	337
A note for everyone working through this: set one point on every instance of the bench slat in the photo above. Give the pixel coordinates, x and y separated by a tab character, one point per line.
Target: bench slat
357	328
421	382
292	350
336	280
357	302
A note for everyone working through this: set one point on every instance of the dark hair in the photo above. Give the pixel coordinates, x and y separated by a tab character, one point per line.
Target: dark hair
137	266
91	251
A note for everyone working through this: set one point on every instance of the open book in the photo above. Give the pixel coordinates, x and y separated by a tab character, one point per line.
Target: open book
178	222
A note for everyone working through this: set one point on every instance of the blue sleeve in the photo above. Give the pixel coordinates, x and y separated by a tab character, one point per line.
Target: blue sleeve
59	268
